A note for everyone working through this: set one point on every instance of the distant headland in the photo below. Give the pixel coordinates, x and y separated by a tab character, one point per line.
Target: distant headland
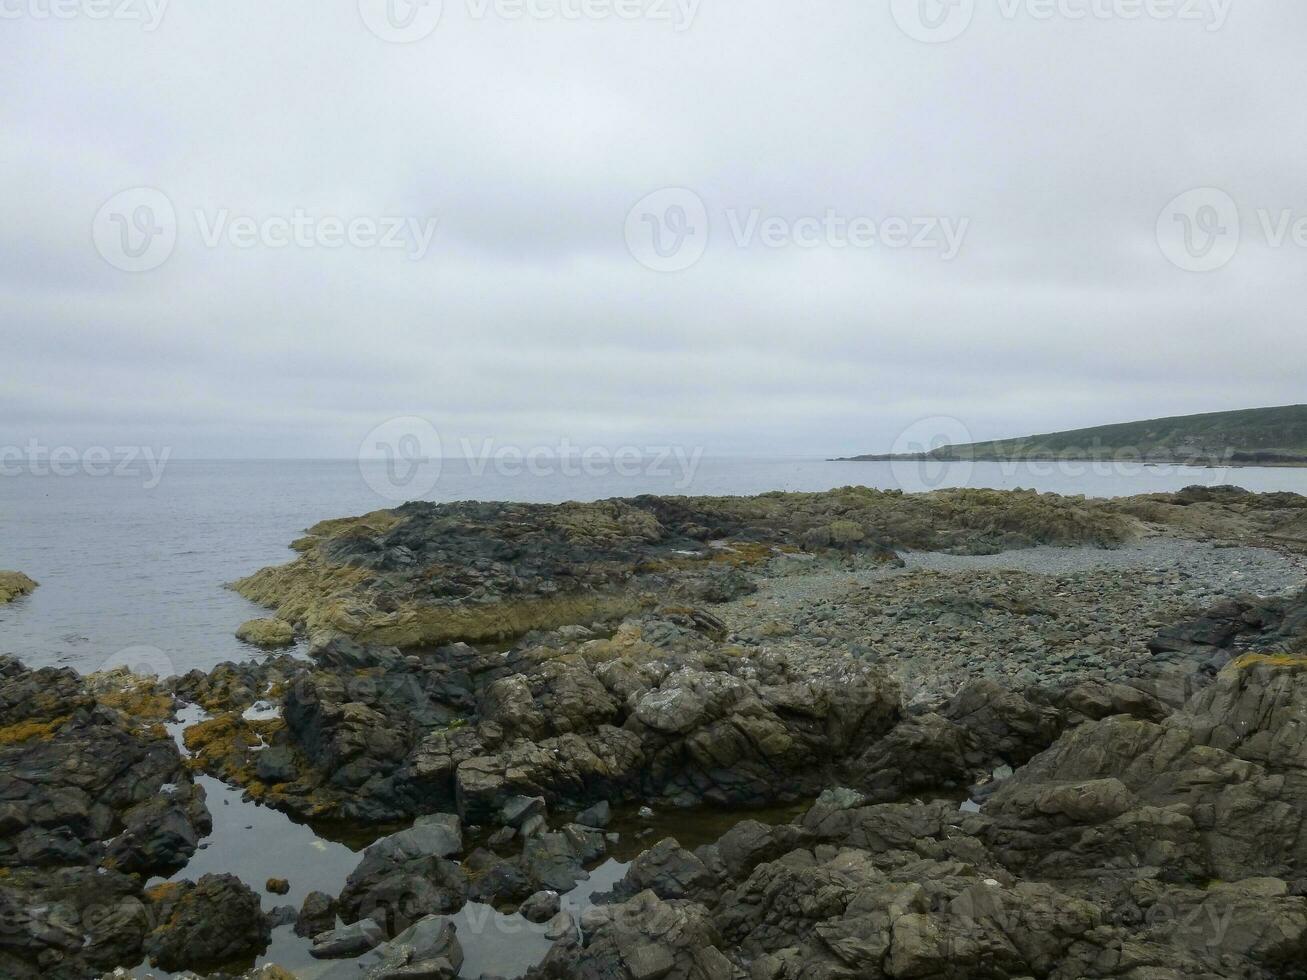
1249	437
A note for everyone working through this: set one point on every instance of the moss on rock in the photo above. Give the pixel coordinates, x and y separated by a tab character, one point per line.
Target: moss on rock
13	585
266	633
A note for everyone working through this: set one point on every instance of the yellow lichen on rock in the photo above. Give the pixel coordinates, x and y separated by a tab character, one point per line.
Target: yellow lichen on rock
221	733
1295	660
266	633
135	695
13	585
26	731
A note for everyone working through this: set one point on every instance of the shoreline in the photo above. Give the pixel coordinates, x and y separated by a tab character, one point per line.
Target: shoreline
888	657
1187	462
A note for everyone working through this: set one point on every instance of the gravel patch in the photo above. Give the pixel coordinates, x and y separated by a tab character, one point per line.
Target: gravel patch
1036	616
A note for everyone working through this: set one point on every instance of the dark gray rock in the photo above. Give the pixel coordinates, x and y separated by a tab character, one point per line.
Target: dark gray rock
517	810
276	764
406	876
317	914
214	921
668	870
540	907
427	950
551	863
350	940
598	815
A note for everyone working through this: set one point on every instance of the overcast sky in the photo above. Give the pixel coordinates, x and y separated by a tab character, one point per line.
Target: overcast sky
1051	147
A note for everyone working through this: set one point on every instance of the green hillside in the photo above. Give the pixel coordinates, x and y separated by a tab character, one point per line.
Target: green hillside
1255	436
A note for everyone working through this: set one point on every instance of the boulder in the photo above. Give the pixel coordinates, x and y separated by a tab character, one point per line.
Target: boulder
266	633
598	815
427	950
406	876
551	862
317	914
540	907
213	921
668	870
350	940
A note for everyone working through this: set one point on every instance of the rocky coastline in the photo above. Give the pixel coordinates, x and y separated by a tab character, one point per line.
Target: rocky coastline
1026	736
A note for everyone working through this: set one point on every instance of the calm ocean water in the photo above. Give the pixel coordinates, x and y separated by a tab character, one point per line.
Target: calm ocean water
132	573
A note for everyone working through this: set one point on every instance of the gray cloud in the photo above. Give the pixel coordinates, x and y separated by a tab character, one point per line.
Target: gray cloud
529	321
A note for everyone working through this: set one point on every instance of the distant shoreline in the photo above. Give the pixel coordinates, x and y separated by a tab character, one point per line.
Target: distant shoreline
1207	461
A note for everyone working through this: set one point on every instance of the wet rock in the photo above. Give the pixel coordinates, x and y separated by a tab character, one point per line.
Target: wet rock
743	847
551	862
598	815
668	870
317	914
213	921
70	922
540	907
351	940
427	950
517	810
88	783
160	834
406	876
281	915
562	928
587	843
501	884
1244	623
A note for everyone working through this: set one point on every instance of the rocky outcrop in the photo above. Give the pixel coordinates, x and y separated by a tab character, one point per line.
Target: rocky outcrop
13	585
1127	848
435	573
1214	792
1240	624
94	798
711	726
657	710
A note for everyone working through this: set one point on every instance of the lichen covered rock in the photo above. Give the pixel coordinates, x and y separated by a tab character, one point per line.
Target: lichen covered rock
13	585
